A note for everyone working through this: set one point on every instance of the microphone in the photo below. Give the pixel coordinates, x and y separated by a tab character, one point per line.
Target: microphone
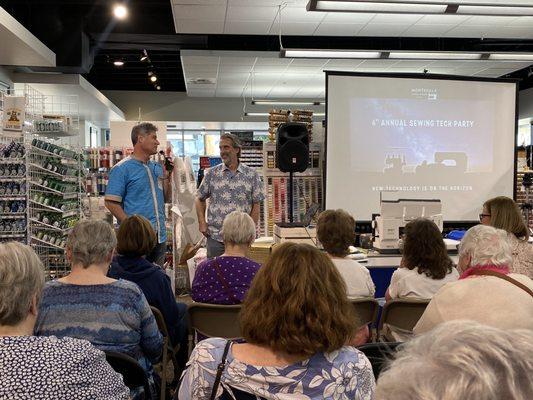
168	162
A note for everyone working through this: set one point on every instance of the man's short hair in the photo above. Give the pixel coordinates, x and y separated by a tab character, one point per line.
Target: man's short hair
235	141
144	128
461	360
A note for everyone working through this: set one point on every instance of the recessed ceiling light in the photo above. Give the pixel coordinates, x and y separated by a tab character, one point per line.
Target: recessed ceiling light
120	11
118	63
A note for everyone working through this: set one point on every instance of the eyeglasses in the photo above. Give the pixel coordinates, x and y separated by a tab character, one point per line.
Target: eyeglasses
483	215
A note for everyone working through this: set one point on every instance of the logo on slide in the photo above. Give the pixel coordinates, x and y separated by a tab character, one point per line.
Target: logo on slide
424	93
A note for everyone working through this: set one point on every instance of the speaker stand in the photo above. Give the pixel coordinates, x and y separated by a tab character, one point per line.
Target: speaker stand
291	218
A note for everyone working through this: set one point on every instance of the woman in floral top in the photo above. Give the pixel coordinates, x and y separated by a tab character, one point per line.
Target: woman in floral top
298	326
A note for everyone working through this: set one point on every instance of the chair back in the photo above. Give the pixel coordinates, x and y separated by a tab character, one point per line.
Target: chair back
366	310
133	374
403	313
162	326
215	320
378	354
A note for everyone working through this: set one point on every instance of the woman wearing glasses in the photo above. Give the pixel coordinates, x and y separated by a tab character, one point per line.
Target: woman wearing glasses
503	213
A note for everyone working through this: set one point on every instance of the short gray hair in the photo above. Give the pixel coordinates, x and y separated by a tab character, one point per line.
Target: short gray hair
486	245
238	228
21	278
144	128
90	242
235	141
461	360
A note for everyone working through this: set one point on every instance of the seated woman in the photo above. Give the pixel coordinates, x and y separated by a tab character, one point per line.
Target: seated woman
503	213
45	367
336	232
486	292
135	240
226	279
425	267
86	304
296	321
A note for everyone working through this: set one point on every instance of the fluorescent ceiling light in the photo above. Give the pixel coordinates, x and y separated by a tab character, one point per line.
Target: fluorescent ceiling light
309	53
422	55
406	55
512	56
256	114
287	102
422	7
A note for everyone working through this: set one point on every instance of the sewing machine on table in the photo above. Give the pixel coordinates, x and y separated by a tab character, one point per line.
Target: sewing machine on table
395	214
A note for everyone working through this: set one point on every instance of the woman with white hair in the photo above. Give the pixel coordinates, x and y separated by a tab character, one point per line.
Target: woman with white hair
461	360
226	279
486	291
34	367
112	314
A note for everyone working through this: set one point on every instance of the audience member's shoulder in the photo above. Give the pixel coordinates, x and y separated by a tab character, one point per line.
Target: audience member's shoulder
128	286
348	354
213	346
526	280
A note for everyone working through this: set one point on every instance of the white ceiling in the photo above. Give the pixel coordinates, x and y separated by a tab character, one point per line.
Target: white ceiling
20	47
265	75
259	17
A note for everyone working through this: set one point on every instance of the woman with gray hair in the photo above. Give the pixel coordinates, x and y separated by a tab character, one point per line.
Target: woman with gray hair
461	360
485	292
226	279
43	367
111	314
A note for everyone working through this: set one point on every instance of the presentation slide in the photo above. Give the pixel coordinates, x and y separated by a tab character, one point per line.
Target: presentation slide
418	138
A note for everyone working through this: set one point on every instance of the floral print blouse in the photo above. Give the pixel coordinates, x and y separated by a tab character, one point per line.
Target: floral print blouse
343	374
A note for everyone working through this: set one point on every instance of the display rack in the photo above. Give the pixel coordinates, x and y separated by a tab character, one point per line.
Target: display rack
307	187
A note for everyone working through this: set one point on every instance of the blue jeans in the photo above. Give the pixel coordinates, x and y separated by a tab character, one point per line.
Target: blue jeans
214	248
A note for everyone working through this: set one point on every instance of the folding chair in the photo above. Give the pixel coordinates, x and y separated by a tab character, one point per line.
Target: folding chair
131	371
168	351
402	313
378	354
213	320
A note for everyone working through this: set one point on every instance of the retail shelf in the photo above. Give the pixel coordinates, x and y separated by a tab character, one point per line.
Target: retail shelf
12	160
12	215
47	243
43	170
50	227
11	178
64	160
4	235
69	213
66	196
11	197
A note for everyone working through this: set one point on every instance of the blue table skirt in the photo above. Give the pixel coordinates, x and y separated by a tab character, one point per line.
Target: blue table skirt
381	278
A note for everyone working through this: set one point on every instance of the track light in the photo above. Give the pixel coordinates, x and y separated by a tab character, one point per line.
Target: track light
120	11
118	63
158	87
153	78
144	56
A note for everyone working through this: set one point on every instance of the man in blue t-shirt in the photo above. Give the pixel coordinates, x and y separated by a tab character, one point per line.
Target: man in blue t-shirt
138	185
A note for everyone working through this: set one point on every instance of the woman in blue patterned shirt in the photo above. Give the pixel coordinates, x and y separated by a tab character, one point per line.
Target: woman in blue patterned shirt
297	323
86	304
45	368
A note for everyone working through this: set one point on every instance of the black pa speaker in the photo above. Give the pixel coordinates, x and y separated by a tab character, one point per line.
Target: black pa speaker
292	147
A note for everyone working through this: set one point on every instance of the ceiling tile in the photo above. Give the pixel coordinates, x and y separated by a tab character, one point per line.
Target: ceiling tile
300	14
402	19
199	26
443	19
237	61
295	28
337	29
427	30
348	18
205	13
262	61
252	13
488	20
247	27
343	63
522	21
193	60
303	62
382	30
